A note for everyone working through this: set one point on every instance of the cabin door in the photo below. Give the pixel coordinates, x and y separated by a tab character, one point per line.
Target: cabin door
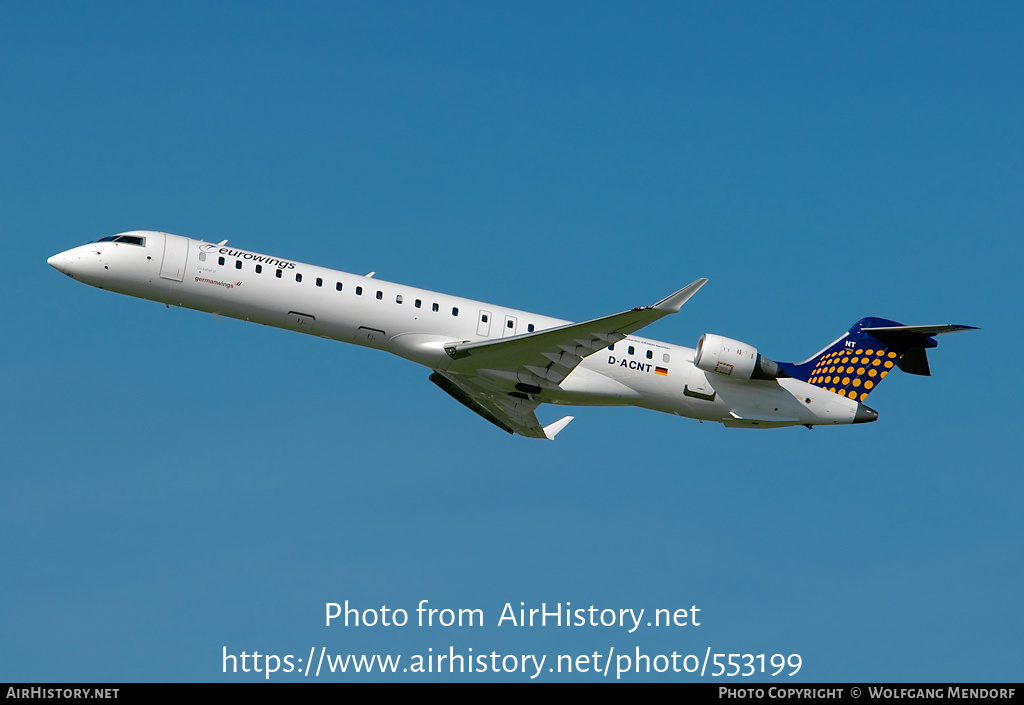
510	327
483	324
175	252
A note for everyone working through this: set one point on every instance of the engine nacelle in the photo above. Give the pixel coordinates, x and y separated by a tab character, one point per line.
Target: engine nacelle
732	358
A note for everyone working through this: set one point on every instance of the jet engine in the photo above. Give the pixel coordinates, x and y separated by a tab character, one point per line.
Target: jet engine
732	358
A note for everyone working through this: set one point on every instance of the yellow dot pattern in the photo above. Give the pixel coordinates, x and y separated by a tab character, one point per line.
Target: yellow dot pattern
852	374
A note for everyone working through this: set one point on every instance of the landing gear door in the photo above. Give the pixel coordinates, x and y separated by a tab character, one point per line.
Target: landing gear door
175	253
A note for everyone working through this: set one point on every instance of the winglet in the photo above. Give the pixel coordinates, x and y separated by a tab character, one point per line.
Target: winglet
673	303
551	430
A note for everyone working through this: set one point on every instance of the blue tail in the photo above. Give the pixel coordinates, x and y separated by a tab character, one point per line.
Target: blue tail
856	363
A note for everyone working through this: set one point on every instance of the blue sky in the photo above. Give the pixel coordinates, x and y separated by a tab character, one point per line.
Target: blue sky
175	485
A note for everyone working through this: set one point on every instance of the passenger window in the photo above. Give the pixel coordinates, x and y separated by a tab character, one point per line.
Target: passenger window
631	349
435	308
238	264
665	357
298	277
220	260
455	311
359	291
418	303
380	295
338	286
483	318
319	281
529	328
650	354
398	299
278	274
202	256
509	324
259	269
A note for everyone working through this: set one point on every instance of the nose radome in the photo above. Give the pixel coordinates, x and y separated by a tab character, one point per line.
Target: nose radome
59	262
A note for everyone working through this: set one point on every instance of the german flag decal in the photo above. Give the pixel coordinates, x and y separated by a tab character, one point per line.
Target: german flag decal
663	371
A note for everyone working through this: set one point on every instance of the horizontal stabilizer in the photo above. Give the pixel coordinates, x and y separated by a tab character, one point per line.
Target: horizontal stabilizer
914	341
917	330
915	361
854	364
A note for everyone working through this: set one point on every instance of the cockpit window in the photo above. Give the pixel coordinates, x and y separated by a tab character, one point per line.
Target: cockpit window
127	239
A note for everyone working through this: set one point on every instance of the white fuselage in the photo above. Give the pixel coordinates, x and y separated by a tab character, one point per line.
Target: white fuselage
416	323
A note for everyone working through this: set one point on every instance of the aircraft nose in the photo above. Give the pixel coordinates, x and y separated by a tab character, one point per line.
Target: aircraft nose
865	414
59	262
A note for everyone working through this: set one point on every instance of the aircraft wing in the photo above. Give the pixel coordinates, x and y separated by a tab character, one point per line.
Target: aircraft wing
498	378
513	414
545	358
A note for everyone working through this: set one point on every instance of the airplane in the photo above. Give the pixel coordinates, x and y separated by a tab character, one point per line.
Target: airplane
503	363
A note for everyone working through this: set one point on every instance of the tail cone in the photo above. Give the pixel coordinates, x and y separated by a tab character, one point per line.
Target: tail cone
865	414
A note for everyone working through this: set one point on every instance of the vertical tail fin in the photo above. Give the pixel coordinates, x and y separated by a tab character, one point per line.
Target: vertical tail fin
856	363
